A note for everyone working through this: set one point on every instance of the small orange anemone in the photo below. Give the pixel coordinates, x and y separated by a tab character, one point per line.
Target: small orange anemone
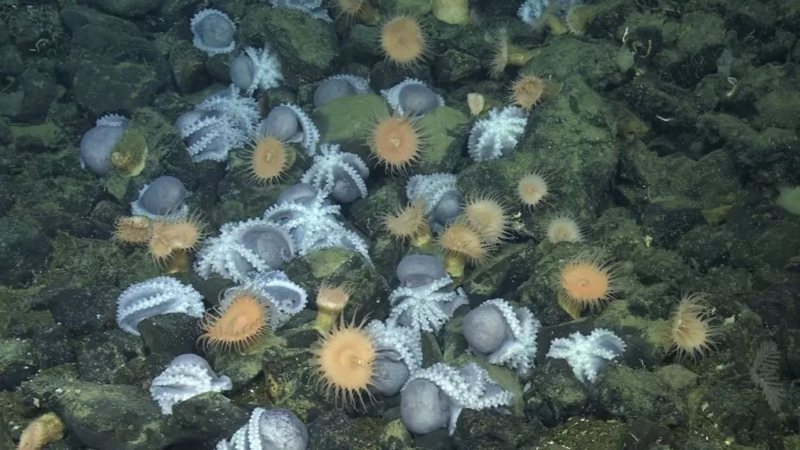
331	301
344	358
460	240
403	41
395	142
132	230
173	235
269	160
533	189
563	229
586	282
487	216
528	91
409	223
237	323
690	331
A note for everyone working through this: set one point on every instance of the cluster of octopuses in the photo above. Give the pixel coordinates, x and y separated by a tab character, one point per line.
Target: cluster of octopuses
384	358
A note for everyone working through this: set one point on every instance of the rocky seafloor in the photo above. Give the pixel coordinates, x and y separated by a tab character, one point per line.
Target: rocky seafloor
672	137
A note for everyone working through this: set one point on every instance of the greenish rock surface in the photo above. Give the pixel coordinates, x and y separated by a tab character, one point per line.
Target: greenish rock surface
632	393
102	415
126	8
348	121
308	46
789	199
444	132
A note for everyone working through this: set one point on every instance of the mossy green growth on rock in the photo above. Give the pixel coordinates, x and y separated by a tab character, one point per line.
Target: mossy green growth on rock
307	45
416	8
444	131
585	434
102	415
339	266
90	262
130	153
789	199
46	136
348	121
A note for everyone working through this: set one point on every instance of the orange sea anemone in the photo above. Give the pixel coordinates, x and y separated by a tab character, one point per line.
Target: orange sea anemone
403	41
506	54
578	19
690	331
527	91
132	230
356	9
563	229
461	245
44	430
173	235
344	359
395	141
409	223
533	189
331	301
236	323
269	159
586	282
488	217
